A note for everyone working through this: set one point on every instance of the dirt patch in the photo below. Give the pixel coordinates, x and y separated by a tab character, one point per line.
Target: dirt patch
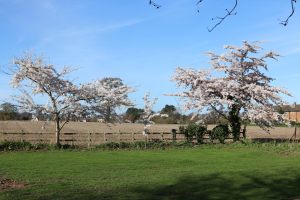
8	184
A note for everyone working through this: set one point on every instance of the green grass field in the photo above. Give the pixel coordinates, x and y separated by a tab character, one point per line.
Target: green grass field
194	173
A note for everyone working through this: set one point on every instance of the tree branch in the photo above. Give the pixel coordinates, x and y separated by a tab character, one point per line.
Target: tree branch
230	12
221	19
197	4
285	22
152	3
220	113
62	126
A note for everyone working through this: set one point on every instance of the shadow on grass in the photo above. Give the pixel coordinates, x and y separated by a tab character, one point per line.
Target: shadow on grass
215	186
274	140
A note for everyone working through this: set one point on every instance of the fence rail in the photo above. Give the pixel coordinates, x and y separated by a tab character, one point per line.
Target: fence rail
91	138
87	139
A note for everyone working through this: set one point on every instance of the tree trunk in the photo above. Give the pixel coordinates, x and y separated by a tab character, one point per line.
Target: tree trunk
108	115
57	131
235	122
244	131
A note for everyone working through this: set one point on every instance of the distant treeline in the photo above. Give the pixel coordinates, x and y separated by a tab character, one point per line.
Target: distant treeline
9	111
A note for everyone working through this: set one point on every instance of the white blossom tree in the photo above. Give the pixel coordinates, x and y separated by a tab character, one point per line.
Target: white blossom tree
34	77
106	95
239	91
148	113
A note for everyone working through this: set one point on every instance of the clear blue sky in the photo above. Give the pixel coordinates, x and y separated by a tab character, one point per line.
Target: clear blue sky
142	45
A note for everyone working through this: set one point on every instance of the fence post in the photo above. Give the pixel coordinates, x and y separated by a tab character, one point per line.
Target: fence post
22	135
119	136
162	136
89	139
132	137
41	137
73	139
244	131
173	135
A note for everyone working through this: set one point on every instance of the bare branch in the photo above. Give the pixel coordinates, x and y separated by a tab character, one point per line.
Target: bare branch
5	72
218	111
221	19
197	4
63	124
152	3
232	11
199	1
285	22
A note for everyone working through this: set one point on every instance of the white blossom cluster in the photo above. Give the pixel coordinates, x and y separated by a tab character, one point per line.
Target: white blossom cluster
239	82
106	95
32	75
148	113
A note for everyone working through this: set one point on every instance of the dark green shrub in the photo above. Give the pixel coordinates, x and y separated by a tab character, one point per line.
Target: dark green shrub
193	130
112	145
136	145
41	146
67	146
220	132
124	145
183	130
174	132
15	145
201	130
297	124
26	146
109	145
139	144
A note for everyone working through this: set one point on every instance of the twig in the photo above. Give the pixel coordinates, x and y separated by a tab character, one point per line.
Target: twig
221	19
232	12
197	4
151	2
285	22
5	72
220	113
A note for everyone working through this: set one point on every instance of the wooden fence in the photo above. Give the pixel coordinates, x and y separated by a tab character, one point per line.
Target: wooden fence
92	139
88	139
292	116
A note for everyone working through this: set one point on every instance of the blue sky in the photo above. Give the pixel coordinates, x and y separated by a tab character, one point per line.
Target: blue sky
142	45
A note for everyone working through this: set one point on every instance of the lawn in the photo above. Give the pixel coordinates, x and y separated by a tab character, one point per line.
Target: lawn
191	173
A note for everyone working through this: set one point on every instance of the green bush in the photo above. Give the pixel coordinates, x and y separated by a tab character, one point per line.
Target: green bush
109	145
201	130
135	145
15	145
139	144
183	130
220	132
193	130
26	146
297	124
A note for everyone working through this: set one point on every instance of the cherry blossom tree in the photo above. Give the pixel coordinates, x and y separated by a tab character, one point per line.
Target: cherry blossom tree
34	77
148	113
239	90
106	95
